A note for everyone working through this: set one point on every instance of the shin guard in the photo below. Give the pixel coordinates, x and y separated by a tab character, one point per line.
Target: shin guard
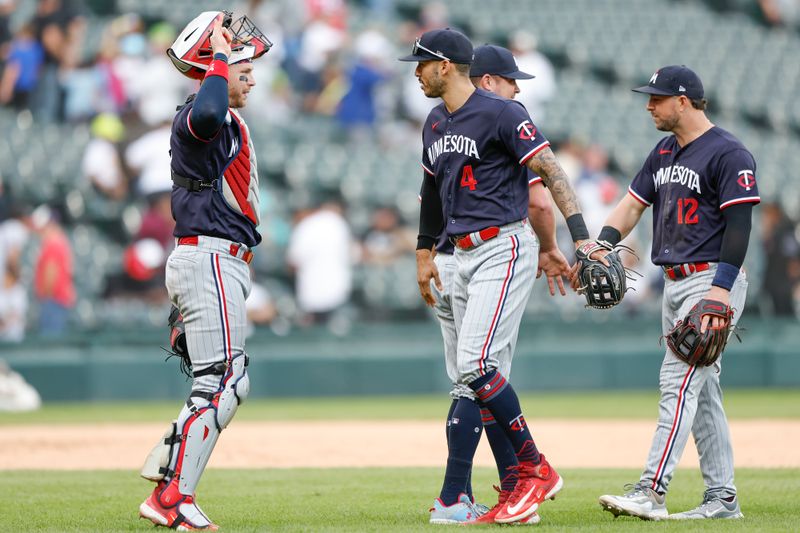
157	462
202	419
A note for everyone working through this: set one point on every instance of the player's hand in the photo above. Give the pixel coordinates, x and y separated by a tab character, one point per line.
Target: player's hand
554	265
597	255
427	271
220	38
721	295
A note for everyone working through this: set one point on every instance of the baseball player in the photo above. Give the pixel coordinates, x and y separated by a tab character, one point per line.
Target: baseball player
216	209
701	184
495	70
476	146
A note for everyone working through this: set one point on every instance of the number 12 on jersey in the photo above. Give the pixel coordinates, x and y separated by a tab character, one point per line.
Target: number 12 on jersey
468	178
687	211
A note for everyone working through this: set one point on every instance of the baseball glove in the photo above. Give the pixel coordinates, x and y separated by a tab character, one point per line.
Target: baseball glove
703	349
603	285
177	341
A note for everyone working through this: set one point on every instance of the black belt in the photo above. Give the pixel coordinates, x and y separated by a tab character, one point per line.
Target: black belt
192	185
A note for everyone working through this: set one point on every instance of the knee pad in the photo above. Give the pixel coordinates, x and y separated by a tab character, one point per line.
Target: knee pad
235	389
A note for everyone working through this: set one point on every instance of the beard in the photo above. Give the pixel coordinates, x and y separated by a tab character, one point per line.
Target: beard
667	124
237	101
434	87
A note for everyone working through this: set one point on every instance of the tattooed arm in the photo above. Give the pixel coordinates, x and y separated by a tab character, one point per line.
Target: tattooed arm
546	165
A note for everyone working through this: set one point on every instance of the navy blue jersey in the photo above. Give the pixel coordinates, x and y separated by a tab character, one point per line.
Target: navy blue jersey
688	188
230	209
477	156
443	244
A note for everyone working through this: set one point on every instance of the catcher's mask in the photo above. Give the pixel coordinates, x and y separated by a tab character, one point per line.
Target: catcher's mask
191	52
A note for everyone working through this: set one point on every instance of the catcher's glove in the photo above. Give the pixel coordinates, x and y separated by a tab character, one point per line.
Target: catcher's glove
603	285
693	347
177	340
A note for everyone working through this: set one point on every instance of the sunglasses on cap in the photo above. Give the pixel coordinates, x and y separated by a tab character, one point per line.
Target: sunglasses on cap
417	47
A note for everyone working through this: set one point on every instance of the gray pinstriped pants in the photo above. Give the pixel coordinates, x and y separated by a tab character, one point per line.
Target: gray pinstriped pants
209	286
691	398
491	286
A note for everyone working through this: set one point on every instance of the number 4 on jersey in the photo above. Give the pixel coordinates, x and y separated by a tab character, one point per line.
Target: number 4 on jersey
468	178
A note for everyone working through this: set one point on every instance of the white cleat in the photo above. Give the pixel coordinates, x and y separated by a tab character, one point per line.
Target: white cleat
711	508
640	501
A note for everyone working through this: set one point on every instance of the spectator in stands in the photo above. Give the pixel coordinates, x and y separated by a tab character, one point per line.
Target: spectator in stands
260	308
780	12
433	15
6	9
14	235
597	191
53	276
782	259
357	110
534	94
321	255
157	221
154	96
387	238
101	164
142	275
21	70
320	42
60	31
13	305
148	157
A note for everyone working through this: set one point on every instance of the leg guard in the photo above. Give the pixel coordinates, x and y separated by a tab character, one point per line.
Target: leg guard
157	462
183	452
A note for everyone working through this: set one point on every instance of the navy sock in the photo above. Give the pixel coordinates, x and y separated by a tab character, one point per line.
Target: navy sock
498	396
447	422
503	451
468	486
464	435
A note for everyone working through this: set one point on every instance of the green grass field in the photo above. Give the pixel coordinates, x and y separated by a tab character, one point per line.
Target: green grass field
363	500
739	403
370	499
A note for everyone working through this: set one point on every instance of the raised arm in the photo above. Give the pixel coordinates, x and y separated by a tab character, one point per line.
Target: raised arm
211	105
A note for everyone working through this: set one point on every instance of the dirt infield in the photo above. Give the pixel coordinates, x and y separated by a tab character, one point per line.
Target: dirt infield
568	443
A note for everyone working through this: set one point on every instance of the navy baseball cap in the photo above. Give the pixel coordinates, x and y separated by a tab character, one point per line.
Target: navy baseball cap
438	45
674	80
497	61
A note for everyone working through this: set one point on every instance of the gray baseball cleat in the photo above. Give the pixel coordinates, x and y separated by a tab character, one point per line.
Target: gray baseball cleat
640	501
711	508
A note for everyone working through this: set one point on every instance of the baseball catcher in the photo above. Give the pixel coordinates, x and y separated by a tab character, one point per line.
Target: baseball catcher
216	208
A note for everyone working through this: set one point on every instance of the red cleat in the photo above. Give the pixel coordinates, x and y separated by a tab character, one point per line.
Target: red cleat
488	517
537	483
167	507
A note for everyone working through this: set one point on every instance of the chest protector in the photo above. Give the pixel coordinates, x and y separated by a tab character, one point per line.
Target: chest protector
239	183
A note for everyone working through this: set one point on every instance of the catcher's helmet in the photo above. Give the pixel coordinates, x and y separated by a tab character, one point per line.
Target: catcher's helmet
191	52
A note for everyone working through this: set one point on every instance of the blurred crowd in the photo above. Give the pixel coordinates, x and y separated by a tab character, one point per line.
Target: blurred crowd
63	69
